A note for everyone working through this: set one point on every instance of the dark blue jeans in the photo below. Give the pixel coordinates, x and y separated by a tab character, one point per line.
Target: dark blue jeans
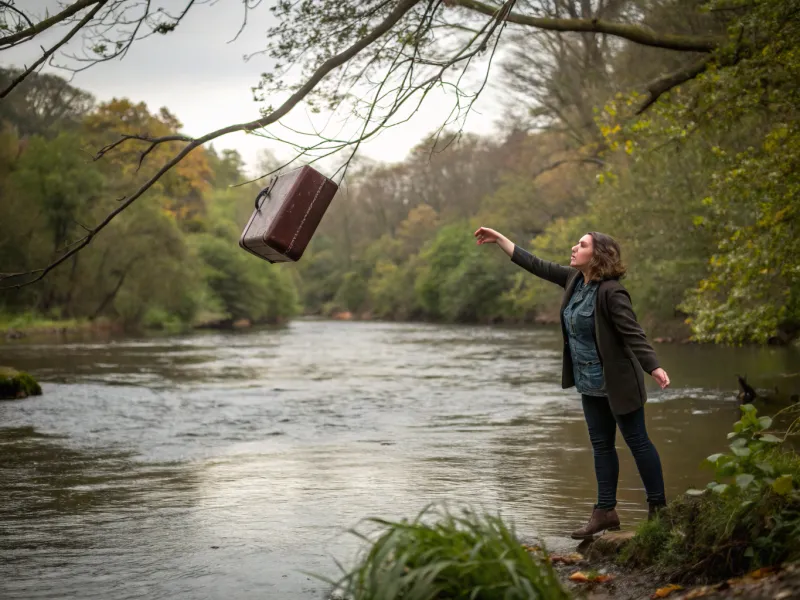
602	432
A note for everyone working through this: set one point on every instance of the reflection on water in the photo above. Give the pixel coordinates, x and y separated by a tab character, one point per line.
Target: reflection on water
223	465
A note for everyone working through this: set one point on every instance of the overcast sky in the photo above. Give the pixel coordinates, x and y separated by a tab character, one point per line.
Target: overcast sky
205	82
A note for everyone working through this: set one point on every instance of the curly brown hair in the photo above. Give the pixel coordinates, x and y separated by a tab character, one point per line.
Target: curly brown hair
606	260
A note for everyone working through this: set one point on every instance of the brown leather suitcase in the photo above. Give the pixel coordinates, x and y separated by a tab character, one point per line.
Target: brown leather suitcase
287	213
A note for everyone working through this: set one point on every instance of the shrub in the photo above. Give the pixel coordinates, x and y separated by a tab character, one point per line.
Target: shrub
452	556
747	517
16	384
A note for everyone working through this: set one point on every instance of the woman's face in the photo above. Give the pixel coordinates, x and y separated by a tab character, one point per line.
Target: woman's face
582	252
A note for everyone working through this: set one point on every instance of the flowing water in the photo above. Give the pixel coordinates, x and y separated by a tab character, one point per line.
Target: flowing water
227	465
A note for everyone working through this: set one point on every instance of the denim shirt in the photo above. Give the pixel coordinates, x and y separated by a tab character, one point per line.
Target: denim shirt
579	322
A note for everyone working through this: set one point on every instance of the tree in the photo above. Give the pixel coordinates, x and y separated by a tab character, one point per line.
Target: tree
40	102
394	44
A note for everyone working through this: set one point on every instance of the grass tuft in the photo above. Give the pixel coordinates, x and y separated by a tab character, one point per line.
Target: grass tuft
444	555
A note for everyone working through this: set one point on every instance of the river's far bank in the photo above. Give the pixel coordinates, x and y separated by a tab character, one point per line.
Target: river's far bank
27	325
17	328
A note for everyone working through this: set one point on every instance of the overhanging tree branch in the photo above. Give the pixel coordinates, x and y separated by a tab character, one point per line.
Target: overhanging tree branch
582	160
405	92
326	67
21	15
662	85
48	53
45	24
631	32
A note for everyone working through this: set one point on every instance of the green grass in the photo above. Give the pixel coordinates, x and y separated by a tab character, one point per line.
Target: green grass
16	384
443	555
29	321
716	536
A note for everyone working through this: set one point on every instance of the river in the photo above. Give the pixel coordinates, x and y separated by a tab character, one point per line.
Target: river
226	465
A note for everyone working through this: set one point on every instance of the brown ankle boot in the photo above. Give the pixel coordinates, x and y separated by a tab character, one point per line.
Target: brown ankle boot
600	520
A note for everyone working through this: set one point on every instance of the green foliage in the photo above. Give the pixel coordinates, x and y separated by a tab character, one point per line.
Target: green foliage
701	190
17	384
748	517
444	555
60	181
648	546
43	104
352	293
738	126
391	291
440	259
246	287
159	319
167	262
473	291
751	463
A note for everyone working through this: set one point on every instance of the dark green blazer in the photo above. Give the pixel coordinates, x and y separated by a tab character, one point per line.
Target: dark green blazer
622	346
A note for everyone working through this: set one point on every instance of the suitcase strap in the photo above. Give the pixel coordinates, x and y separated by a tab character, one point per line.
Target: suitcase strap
305	216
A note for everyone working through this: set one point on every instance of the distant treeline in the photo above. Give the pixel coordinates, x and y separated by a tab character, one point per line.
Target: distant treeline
702	190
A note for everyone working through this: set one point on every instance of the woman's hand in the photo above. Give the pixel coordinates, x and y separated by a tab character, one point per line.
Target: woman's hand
487	236
660	375
490	236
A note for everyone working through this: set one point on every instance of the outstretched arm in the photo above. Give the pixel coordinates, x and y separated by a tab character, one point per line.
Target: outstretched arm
550	271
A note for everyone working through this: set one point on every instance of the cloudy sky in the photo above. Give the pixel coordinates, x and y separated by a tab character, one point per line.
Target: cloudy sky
201	76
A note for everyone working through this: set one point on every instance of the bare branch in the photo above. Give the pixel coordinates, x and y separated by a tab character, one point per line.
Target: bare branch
21	77
21	14
664	84
634	33
144	138
326	67
588	159
402	95
45	24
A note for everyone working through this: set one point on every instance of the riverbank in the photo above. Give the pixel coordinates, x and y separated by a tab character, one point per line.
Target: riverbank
592	572
27	326
18	326
13	327
736	537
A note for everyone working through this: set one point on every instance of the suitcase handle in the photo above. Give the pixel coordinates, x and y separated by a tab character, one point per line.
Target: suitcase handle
265	193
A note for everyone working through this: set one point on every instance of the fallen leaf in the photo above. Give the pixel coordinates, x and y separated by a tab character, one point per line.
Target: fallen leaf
567	559
700	592
762	572
666	590
579	577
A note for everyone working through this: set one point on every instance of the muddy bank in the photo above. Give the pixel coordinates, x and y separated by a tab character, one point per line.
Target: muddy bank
589	570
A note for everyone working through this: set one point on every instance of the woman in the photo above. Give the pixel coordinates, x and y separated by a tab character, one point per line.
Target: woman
605	354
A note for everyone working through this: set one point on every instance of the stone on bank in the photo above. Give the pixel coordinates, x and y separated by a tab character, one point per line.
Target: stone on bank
16	384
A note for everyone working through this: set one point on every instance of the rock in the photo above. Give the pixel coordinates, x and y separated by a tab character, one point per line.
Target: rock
663	340
13	334
16	384
609	544
343	316
241	324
